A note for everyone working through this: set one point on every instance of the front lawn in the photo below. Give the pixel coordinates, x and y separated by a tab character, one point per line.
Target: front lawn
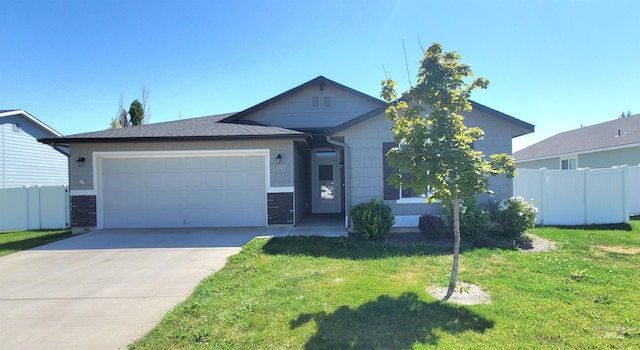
11	242
336	293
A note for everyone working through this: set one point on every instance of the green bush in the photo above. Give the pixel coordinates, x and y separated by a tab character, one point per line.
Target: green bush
373	219
432	226
514	216
473	220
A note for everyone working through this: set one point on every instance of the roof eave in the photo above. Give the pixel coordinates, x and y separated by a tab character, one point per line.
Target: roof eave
67	141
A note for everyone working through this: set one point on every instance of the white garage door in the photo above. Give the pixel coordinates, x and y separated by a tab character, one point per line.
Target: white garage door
217	191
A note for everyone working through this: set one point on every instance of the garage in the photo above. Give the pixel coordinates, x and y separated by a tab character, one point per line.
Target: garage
159	191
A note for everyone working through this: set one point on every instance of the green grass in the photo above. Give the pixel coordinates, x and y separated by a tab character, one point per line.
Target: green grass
11	242
336	293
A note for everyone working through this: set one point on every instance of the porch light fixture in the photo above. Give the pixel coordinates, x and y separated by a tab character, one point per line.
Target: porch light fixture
278	158
80	161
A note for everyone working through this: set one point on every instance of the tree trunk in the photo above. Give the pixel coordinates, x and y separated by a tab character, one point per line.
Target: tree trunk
456	249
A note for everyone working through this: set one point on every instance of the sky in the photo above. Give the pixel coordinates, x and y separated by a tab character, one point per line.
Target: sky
556	64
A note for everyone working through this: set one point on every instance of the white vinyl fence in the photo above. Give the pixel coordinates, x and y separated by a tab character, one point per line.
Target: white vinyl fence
581	197
34	208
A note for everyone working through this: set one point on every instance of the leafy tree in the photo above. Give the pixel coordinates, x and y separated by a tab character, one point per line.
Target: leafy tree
136	113
115	124
436	150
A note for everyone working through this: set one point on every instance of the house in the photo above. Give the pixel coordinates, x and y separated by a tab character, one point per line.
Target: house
25	161
317	148
612	143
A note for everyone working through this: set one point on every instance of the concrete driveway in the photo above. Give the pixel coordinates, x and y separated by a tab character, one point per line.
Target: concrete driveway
105	289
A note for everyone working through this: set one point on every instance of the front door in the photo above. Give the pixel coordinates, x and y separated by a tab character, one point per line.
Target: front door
326	182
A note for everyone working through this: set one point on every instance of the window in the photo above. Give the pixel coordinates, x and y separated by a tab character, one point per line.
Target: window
326	101
401	195
569	164
324	154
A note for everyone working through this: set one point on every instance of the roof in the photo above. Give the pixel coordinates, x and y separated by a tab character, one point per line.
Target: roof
521	127
231	125
202	128
34	120
320	80
614	133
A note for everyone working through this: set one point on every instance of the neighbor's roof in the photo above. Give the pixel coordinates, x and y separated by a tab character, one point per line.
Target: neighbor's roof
615	133
34	120
201	128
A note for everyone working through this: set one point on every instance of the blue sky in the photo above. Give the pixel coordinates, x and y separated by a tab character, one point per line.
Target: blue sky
556	64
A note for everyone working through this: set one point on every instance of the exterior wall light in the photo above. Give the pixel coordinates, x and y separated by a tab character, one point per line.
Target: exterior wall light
80	161
278	158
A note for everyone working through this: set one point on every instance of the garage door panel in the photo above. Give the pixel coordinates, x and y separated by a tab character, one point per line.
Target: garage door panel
184	192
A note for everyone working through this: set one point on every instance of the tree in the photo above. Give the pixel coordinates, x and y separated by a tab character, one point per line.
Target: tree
436	150
121	120
136	113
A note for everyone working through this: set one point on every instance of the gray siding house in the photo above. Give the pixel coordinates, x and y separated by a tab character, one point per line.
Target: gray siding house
604	145
23	160
317	148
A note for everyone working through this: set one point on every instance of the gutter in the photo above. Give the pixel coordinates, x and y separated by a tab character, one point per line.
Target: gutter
347	177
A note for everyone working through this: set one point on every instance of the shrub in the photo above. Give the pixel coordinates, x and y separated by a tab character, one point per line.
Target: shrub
473	220
373	219
514	216
432	226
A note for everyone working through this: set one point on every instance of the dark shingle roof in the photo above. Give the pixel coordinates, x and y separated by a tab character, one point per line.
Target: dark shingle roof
614	133
185	129
519	127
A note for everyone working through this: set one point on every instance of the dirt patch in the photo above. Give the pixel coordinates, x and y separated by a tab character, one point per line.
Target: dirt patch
464	294
536	244
618	249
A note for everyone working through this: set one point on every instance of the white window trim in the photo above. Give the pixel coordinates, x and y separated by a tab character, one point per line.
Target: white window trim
569	157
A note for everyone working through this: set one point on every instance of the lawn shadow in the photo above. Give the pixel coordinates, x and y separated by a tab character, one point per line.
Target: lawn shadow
32	242
390	323
346	248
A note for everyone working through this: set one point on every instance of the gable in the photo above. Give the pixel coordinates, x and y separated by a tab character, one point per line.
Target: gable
21	124
317	104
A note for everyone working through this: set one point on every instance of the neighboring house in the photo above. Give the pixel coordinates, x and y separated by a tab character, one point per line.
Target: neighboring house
25	161
612	143
317	148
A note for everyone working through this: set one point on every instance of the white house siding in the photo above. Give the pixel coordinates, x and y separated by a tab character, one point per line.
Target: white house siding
296	112
25	161
281	175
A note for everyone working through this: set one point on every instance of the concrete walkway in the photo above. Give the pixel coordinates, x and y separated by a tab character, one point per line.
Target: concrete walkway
105	289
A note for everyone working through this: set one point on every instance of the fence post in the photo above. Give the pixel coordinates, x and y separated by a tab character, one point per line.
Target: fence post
587	198
26	209
543	182
625	192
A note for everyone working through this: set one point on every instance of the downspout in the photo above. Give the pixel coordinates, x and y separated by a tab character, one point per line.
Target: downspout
347	177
